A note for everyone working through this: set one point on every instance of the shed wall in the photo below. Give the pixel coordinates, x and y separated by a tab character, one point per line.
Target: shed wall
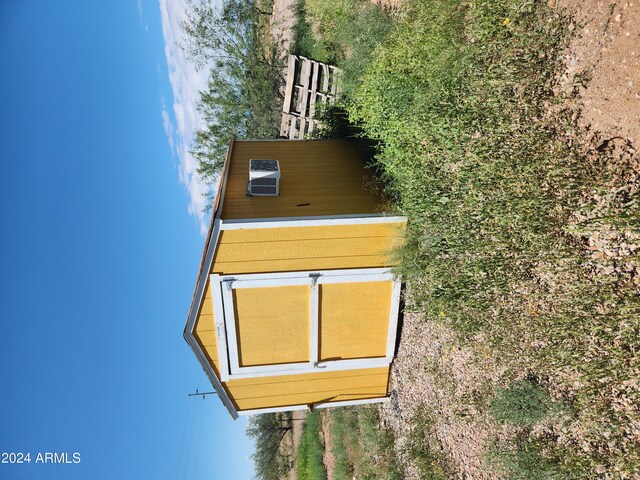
291	249
289	390
304	249
318	177
205	330
305	389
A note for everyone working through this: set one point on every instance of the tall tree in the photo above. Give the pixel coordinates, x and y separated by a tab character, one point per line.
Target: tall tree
243	96
268	430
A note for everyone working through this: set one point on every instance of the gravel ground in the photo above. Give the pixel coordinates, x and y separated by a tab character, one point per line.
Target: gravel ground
433	373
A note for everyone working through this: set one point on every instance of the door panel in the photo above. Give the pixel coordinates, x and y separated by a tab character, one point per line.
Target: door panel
354	320
272	325
303	322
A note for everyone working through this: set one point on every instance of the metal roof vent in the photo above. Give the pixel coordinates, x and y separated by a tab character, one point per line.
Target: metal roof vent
264	178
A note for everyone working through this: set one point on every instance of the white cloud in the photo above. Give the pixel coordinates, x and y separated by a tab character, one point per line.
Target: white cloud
143	20
168	127
186	84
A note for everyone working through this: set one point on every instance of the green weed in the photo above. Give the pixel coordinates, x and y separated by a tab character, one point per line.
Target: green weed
523	404
500	200
527	461
426	451
343	32
458	96
362	449
309	463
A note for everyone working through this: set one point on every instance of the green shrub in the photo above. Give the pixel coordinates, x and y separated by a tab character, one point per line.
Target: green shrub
334	122
523	404
343	32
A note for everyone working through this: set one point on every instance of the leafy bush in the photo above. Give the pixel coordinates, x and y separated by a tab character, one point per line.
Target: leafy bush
334	122
243	95
343	32
268	431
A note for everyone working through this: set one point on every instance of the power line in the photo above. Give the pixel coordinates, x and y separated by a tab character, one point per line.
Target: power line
201	393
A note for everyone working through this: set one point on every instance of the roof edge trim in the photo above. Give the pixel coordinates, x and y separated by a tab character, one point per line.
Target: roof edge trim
191	323
203	275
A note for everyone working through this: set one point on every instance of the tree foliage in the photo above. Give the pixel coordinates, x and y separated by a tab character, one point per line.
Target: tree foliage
268	431
243	97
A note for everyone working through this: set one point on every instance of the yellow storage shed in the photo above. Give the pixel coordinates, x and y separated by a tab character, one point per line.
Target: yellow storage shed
295	305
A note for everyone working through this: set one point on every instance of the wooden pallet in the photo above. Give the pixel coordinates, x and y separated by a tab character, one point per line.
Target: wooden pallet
308	82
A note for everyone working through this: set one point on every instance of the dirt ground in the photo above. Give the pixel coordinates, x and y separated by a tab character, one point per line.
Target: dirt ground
600	83
328	458
292	442
602	62
283	19
603	66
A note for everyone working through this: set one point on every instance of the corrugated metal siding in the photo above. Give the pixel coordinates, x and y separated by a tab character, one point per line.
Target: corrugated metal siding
317	178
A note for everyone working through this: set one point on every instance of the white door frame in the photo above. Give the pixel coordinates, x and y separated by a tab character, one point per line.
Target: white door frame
222	287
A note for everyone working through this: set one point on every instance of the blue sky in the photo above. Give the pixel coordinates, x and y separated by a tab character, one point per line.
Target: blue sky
101	242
